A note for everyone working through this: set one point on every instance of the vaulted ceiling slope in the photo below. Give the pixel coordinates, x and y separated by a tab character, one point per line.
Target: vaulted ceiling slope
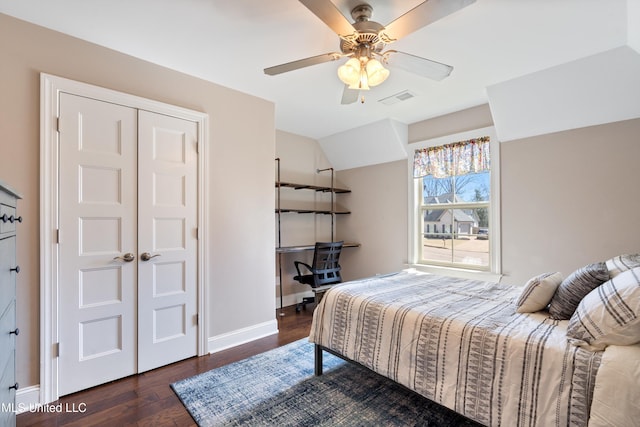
541	65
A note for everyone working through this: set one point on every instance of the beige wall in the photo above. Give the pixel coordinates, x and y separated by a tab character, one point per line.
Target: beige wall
461	121
378	219
569	198
241	213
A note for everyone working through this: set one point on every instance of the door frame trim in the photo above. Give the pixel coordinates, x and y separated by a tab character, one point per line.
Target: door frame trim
50	88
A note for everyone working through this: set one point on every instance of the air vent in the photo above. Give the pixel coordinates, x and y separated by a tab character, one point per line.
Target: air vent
398	97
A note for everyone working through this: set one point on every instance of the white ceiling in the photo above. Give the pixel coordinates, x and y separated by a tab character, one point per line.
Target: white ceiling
231	42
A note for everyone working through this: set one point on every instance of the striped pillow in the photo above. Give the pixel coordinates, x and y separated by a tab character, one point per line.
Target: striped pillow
609	315
617	265
537	292
575	287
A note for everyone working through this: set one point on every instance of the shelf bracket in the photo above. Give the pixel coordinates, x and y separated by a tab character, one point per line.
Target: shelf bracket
333	206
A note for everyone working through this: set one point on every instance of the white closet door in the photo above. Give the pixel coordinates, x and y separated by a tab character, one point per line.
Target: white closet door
98	222
167	230
128	242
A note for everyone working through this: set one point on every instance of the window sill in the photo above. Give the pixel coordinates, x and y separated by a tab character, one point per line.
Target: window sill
458	272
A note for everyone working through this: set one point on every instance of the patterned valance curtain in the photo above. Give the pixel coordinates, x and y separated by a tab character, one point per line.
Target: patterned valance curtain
459	158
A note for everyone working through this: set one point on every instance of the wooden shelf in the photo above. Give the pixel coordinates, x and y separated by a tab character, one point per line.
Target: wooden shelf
313	211
332	211
312	187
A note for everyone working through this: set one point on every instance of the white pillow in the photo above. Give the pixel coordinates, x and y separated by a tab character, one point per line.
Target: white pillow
537	292
620	263
608	315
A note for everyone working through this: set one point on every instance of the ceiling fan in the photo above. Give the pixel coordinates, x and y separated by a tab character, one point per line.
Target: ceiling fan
364	42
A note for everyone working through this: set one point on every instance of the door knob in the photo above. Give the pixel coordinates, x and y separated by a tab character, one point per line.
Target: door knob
128	257
146	256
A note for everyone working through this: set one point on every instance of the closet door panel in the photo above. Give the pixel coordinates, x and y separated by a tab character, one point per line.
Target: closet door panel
167	291
98	228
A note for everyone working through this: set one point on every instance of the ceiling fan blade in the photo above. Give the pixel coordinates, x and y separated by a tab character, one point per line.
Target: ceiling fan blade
301	63
330	15
417	65
349	96
421	15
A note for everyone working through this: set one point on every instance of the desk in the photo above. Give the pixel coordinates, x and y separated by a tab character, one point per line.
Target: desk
302	248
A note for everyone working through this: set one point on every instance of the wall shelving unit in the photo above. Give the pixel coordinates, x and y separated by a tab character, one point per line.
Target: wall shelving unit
332	210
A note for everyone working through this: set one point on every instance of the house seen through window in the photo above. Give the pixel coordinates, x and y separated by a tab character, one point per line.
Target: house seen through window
455	219
454	209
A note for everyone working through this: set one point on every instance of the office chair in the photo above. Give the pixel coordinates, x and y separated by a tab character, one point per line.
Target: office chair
325	269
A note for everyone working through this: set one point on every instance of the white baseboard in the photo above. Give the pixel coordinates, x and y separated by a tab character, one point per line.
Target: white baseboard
242	336
27	399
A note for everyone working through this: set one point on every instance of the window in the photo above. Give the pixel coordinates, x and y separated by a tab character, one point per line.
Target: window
460	206
455	204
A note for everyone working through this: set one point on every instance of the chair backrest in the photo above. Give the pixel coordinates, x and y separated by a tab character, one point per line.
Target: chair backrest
326	269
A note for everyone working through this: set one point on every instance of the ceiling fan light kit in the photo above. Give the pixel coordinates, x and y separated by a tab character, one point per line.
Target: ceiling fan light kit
364	39
349	73
376	73
362	73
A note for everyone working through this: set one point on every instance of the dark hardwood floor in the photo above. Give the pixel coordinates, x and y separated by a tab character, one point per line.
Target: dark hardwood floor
147	399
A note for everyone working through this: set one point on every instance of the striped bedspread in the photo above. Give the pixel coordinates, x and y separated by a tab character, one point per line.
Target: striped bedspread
460	343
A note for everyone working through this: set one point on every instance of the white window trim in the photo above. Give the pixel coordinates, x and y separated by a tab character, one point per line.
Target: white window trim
495	272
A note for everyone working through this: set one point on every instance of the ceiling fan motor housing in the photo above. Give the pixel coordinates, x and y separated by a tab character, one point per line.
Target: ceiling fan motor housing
361	12
367	32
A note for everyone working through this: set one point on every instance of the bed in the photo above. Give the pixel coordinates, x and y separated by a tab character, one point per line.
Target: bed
462	344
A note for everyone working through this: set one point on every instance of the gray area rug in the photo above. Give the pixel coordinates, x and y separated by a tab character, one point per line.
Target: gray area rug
278	388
